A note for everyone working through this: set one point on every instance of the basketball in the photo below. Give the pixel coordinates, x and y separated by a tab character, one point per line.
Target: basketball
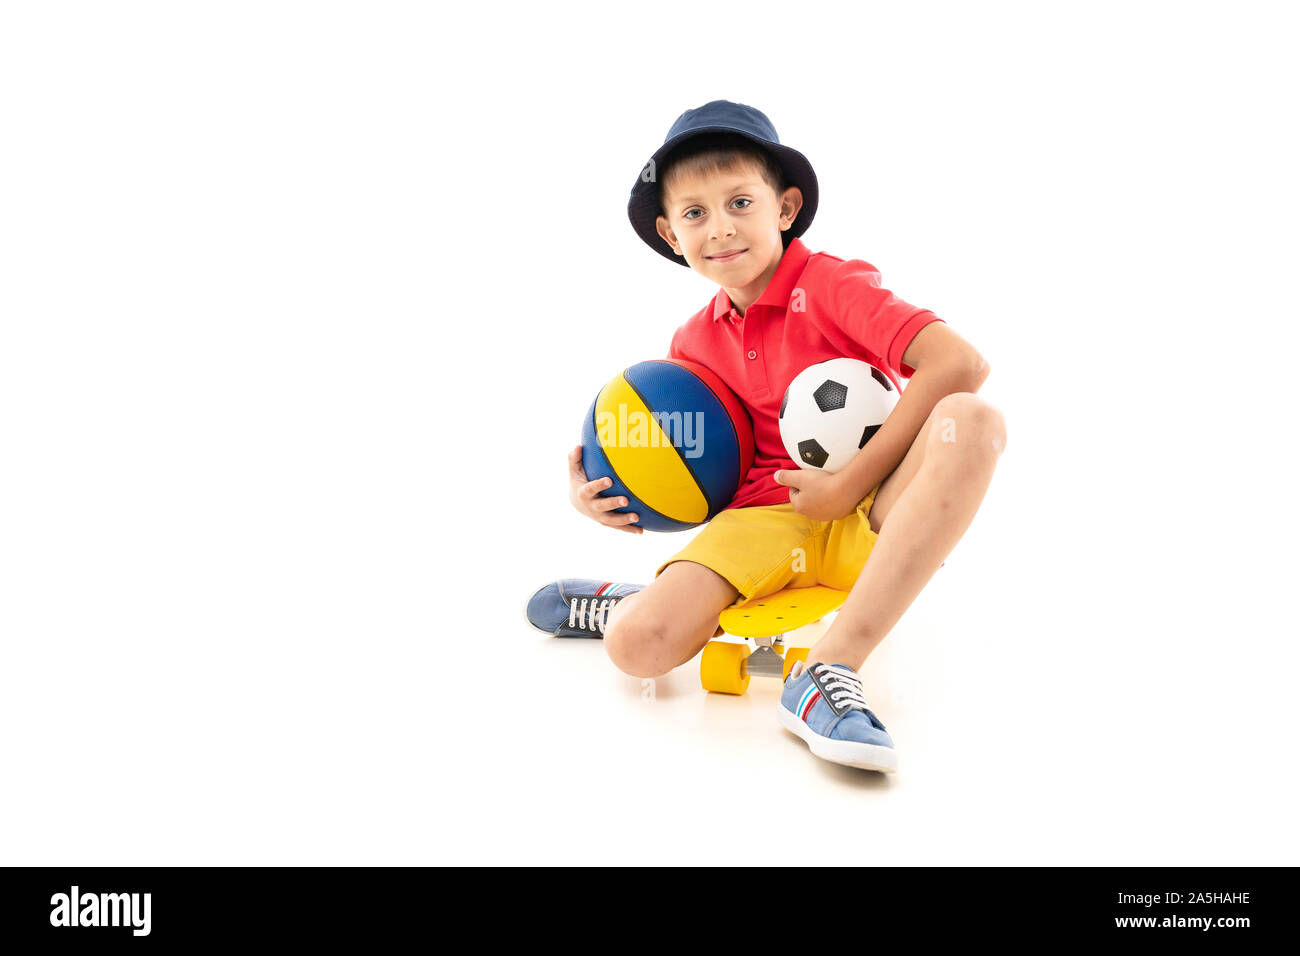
673	439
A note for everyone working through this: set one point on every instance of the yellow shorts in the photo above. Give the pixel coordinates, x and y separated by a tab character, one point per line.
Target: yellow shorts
764	549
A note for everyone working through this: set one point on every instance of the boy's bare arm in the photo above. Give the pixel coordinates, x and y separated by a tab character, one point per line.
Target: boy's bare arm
944	363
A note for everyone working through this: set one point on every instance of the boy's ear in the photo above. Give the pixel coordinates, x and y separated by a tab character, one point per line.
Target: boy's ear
666	233
791	203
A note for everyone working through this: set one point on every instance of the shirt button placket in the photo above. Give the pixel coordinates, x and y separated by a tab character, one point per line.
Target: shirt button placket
755	374
756	361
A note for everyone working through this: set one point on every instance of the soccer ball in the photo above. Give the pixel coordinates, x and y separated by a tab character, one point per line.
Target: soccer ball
832	409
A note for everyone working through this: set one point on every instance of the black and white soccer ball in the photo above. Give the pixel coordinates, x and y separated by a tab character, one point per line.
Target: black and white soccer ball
832	409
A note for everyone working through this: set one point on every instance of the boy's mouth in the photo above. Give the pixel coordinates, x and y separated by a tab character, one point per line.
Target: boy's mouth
727	256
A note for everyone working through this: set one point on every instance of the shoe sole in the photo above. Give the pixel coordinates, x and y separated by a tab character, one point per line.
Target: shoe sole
850	753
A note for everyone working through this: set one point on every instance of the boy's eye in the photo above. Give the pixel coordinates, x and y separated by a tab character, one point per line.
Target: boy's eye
687	213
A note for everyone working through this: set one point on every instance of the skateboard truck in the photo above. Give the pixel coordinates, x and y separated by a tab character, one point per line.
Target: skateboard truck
766	660
770	623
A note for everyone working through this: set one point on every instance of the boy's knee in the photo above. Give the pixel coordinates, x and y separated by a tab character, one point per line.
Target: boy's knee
636	644
971	423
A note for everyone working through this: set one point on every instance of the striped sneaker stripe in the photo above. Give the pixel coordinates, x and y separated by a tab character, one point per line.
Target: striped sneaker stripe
810	697
601	590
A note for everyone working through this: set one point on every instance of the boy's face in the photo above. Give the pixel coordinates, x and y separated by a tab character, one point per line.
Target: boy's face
735	210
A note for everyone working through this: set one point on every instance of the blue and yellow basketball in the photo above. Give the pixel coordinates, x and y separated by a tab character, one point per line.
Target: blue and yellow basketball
674	440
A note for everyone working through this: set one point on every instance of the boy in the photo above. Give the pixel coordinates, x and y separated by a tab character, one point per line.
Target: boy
725	198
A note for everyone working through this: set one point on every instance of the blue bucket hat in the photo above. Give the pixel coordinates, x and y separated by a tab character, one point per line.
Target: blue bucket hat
719	116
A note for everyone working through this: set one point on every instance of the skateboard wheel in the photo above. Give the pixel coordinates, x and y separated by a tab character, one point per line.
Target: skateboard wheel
722	667
793	654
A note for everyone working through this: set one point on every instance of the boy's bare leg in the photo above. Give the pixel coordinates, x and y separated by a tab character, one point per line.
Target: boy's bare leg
667	622
929	501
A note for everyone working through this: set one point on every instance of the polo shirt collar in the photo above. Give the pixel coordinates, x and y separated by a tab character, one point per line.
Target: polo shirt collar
777	293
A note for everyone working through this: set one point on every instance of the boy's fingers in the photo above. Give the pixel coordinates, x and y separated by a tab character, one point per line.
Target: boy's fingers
787	477
601	506
575	463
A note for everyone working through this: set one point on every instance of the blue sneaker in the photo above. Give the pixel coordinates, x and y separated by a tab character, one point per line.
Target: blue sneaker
825	706
576	607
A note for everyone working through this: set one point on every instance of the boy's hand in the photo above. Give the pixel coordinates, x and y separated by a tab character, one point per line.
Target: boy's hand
585	496
817	495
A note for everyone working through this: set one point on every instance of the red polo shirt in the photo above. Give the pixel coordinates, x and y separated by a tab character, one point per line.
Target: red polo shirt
816	307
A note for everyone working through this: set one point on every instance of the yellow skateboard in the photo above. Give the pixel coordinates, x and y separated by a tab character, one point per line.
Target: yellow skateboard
769	622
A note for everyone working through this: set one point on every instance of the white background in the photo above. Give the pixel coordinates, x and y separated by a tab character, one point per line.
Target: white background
301	307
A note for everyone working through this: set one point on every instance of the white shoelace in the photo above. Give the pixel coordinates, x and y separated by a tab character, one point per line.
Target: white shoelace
843	686
590	618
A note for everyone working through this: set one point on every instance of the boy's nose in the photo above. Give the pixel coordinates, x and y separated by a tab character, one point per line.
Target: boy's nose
722	231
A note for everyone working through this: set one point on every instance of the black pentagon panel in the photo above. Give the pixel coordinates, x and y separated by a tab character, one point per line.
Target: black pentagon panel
811	453
882	378
867	433
830	395
784	398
